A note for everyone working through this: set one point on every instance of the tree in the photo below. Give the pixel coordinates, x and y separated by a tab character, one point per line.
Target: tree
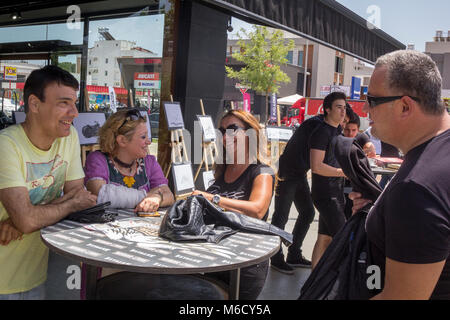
262	52
68	66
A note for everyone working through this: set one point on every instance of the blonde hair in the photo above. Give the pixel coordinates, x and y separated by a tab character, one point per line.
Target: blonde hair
117	124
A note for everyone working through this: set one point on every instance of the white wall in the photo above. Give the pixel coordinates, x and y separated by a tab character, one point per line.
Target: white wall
323	68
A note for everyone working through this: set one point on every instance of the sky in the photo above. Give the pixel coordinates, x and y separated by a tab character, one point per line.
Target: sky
408	21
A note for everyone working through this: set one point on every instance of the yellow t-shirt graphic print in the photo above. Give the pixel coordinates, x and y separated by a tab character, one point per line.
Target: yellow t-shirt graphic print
46	180
23	263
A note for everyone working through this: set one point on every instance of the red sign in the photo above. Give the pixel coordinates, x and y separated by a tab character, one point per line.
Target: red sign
146	76
314	106
357	106
147	61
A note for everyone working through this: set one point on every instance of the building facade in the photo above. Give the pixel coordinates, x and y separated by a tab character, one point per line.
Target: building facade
439	51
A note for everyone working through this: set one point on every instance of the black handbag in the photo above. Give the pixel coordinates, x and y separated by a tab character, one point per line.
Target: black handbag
95	214
196	218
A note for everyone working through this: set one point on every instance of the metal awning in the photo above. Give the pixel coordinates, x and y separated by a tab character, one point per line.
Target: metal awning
323	21
44	46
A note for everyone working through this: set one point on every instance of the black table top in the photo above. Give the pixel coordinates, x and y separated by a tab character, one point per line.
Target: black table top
132	244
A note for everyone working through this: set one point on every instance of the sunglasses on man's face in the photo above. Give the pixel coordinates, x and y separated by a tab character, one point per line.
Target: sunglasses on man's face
233	129
131	115
375	101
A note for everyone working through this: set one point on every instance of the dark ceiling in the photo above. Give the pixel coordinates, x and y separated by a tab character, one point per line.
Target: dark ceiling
44	10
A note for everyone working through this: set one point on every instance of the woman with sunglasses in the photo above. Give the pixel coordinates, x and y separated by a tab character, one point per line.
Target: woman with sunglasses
123	172
244	183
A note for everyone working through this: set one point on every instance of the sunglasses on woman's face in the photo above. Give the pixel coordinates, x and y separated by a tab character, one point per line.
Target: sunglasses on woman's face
131	115
233	129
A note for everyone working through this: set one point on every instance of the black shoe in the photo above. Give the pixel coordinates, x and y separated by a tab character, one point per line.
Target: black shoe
282	266
299	261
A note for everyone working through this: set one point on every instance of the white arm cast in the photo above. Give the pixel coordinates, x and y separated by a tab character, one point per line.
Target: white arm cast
120	197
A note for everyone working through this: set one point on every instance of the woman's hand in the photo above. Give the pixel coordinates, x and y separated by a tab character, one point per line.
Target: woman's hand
8	232
150	204
206	195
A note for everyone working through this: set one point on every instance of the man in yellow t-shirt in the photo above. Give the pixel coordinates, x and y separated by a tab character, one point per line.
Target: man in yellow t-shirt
40	161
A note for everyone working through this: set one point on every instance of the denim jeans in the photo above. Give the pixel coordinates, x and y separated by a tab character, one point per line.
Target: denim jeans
37	293
297	191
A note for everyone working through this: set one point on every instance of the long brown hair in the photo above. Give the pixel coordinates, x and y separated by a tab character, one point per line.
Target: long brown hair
250	122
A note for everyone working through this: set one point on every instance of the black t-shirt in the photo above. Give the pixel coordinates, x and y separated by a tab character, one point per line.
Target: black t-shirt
388	150
294	162
362	138
410	222
241	188
323	187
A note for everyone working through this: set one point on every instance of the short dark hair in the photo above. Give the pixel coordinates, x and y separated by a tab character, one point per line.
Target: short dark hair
39	79
354	118
329	99
414	73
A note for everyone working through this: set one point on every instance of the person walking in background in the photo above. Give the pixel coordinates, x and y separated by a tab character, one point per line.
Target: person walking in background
327	177
293	187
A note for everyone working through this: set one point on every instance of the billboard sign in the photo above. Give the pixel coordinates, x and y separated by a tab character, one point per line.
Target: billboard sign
10	73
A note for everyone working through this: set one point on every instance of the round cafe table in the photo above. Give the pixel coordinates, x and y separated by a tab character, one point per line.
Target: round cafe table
139	249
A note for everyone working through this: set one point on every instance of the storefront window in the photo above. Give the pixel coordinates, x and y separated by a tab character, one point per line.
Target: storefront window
125	55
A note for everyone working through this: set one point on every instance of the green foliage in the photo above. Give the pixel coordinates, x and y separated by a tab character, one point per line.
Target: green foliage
262	52
68	66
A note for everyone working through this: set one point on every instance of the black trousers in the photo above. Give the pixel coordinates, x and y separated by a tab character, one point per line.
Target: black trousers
297	191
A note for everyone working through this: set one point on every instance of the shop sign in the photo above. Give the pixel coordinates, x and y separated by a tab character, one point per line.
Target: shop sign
344	89
246	99
10	73
146	76
147	84
324	90
147	61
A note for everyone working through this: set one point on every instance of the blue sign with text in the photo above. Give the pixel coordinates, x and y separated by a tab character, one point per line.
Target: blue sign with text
356	88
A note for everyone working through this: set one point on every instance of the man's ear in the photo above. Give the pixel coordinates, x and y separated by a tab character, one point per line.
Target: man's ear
407	106
33	103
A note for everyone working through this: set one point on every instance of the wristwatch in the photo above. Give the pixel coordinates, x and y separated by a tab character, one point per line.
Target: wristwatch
216	199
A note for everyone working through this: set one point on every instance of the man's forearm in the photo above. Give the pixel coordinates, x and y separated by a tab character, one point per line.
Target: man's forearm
328	171
44	215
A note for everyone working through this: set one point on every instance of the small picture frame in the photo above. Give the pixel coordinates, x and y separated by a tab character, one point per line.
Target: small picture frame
149	129
208	179
18	116
174	116
87	125
209	132
279	133
183	178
